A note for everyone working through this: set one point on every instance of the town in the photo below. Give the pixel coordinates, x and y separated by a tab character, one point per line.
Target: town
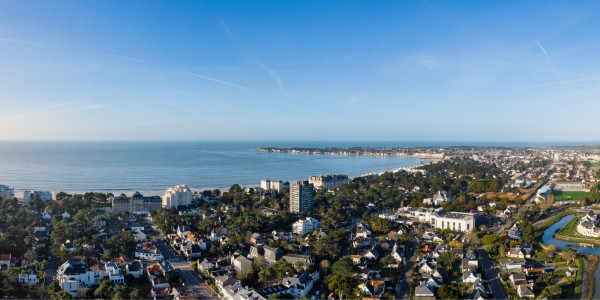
467	224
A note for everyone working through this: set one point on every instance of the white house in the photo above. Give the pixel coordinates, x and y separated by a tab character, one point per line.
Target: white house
66	215
73	277
114	273
149	254
304	226
299	286
140	236
29	278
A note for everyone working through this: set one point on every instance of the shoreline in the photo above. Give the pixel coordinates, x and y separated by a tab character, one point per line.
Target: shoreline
199	189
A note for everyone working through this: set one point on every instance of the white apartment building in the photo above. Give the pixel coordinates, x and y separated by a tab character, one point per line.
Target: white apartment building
328	181
43	196
74	277
6	192
439	218
179	195
271	185
304	226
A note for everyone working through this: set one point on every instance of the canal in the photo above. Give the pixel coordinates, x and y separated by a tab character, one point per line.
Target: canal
548	239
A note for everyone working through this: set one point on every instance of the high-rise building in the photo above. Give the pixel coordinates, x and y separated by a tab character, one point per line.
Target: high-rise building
179	195
271	185
301	196
6	192
328	181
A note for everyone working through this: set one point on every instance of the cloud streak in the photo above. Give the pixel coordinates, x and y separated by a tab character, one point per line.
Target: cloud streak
228	83
273	74
550	61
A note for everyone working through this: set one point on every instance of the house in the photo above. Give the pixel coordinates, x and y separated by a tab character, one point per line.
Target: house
114	273
372	288
66	215
46	215
99	273
515	232
183	230
355	258
74	276
518	252
241	265
205	265
6	261
29	277
304	226
223	281
398	252
524	291
440	198
433	282
468	265
140	236
299	286
426	269
136	269
266	292
518	279
151	253
294	259
371	253
363	233
70	246
122	260
470	277
155	271
513	266
272	254
423	291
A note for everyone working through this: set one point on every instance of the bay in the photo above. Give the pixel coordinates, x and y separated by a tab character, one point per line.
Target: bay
152	167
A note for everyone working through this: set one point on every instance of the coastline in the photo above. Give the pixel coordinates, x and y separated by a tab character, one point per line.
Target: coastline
199	189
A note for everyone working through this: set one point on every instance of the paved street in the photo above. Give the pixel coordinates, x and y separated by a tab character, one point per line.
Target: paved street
491	274
403	284
183	268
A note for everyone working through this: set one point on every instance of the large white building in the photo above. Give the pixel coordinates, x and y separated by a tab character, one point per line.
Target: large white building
328	181
74	277
271	185
179	195
6	192
590	224
43	196
439	218
304	226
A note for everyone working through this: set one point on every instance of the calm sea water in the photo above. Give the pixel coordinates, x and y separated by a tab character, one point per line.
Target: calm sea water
154	166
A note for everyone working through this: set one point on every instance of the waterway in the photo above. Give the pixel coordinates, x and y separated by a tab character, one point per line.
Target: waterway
548	239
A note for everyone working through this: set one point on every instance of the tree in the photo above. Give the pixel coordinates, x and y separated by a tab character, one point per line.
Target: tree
195	265
104	290
568	254
344	266
447	292
62	295
447	259
136	294
340	284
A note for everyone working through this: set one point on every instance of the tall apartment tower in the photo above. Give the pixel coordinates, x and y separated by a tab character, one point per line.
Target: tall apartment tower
301	196
176	196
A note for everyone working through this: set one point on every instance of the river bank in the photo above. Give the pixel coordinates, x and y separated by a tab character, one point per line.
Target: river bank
591	255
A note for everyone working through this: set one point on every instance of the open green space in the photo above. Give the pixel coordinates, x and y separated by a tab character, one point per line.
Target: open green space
570	195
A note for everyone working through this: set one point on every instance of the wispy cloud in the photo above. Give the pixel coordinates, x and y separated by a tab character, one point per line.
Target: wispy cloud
550	61
221	81
273	74
568	82
13	41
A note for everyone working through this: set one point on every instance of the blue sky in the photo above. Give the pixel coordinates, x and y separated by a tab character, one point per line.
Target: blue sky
300	70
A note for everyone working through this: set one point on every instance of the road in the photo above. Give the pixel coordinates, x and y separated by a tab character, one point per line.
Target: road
402	286
192	281
491	274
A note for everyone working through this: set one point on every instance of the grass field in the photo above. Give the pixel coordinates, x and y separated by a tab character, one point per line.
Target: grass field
569	195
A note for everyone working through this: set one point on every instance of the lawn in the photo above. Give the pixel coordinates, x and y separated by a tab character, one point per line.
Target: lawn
569	195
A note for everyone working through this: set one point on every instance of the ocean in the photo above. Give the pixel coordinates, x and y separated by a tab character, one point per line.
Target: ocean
152	167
